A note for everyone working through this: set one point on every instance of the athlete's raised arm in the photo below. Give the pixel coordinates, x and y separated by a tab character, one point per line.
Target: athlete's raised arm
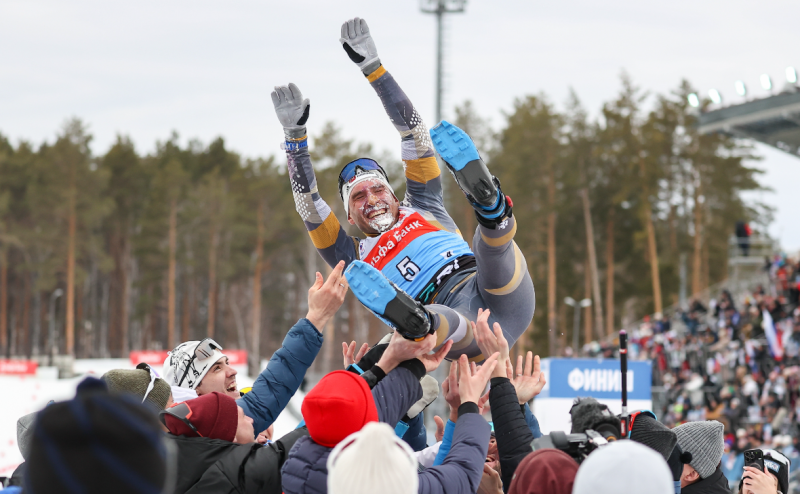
326	233
423	179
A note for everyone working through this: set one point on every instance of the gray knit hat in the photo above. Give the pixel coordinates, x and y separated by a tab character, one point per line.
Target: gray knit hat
704	440
25	433
135	382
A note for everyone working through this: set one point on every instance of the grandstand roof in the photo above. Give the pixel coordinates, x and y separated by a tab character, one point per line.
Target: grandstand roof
774	120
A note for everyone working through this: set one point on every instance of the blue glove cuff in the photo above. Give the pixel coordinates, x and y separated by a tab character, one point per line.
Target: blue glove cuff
400	429
295	145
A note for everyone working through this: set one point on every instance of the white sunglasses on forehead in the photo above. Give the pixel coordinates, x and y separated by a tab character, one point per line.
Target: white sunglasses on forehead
204	349
153	377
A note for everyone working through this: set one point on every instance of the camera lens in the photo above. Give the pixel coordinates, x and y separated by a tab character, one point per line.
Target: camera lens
609	436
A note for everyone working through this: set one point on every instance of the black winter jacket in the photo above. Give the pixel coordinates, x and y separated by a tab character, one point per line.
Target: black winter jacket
716	483
511	431
215	466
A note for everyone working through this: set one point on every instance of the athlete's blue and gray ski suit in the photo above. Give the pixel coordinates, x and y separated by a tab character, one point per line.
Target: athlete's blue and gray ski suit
424	253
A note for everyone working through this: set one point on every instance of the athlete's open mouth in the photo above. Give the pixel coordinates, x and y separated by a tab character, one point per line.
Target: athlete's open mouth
231	387
376	212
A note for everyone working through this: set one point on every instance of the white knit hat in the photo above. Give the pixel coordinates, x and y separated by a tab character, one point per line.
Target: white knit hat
361	176
198	362
372	460
624	466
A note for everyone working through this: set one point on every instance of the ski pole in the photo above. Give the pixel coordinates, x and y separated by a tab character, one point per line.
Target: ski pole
623	364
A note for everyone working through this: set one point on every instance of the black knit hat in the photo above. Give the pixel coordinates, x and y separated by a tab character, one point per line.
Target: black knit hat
653	434
96	443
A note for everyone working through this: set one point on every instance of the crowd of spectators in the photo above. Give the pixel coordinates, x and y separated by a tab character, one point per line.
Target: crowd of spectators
735	360
731	385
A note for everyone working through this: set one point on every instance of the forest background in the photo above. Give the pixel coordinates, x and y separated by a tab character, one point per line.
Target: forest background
103	254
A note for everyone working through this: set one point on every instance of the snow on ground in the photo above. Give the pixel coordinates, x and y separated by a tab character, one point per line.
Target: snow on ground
28	394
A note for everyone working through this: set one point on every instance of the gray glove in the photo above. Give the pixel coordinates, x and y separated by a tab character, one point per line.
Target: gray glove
292	110
358	44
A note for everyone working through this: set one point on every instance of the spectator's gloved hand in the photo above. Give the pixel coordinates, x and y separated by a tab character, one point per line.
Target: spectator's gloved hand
292	110
357	42
430	391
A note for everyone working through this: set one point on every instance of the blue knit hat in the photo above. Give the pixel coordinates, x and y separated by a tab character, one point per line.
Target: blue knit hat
96	443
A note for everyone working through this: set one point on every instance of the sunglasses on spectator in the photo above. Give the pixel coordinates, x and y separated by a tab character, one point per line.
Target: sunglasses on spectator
204	349
181	411
153	377
633	415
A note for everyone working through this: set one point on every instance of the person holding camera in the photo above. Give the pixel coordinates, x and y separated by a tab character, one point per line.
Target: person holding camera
765	472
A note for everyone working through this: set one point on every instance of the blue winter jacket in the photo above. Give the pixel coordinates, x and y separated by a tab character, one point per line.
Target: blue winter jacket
277	384
305	470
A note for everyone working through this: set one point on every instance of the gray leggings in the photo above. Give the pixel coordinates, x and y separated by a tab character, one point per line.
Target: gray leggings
501	284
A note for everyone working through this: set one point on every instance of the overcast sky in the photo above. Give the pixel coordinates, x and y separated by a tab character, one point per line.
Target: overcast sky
206	67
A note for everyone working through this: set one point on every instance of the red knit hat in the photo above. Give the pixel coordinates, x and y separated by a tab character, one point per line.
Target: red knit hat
545	471
215	416
339	405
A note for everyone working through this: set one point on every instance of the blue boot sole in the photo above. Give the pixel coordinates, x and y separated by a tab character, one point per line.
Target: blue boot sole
387	301
453	145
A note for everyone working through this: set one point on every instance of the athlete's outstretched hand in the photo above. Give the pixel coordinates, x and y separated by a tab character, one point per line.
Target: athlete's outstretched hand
292	109
357	42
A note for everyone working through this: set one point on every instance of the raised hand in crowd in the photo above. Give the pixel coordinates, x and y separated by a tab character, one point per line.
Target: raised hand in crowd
439	428
325	298
530	380
401	349
450	389
471	386
350	355
490	341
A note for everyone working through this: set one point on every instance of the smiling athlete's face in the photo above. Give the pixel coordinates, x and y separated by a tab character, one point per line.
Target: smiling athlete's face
373	207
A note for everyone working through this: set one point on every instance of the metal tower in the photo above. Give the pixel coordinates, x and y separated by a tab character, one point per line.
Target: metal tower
439	8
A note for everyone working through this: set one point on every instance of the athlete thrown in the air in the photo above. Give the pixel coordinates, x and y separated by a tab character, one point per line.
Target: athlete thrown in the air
413	269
